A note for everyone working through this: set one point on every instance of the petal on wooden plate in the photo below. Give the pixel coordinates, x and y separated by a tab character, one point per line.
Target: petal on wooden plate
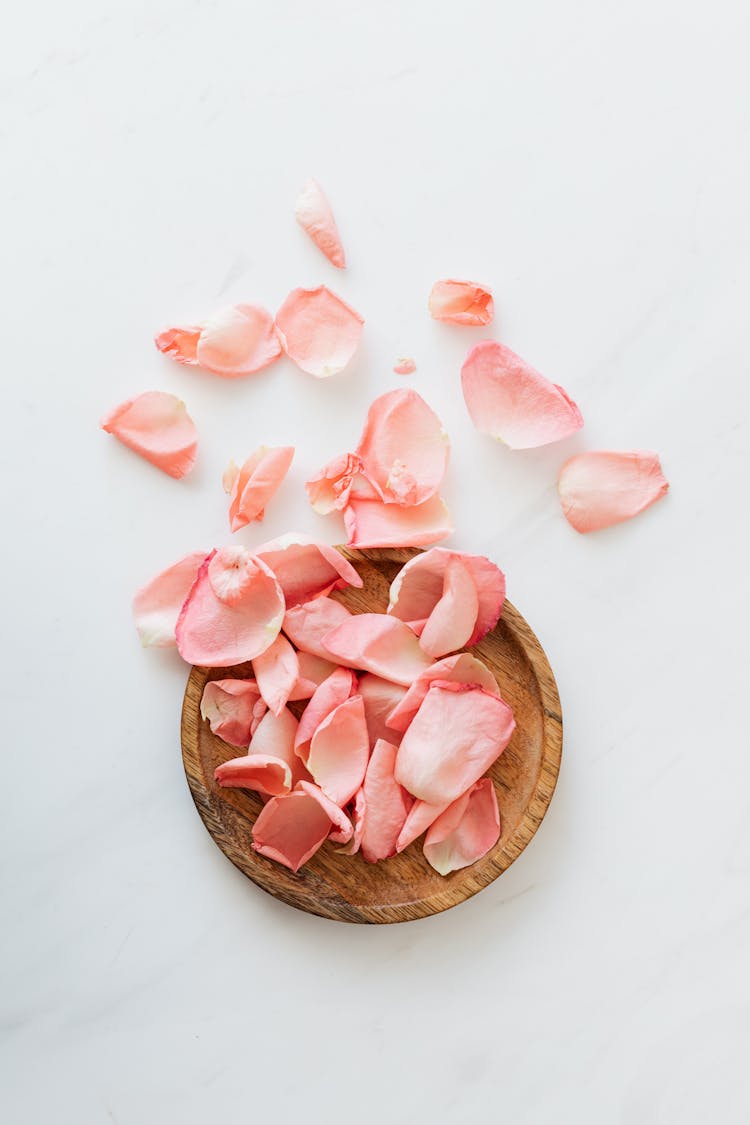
419	585
277	671
256	771
454	618
380	698
387	804
305	568
377	643
421	816
307	624
290	829
461	669
466	831
339	750
231	709
336	689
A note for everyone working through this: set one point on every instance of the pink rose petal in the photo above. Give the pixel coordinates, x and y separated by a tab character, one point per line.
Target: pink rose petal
256	771
387	804
318	331
341	826
461	669
380	644
277	671
307	624
305	568
461	302
335	690
180	344
330	488
380	698
312	671
157	426
420	817
455	736
253	485
605	487
511	401
454	617
404	366
274	738
291	829
313	213
233	709
466	831
157	605
370	523
238	341
216	632
339	750
358	814
404	449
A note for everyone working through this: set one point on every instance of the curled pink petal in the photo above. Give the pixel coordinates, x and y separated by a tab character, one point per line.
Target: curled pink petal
290	829
313	213
307	624
305	568
231	709
370	523
334	690
277	671
217	633
157	605
511	401
380	698
341	826
605	487
256	771
180	344
404	449
466	831
312	671
386	802
157	426
339	749
454	617
358	815
330	488
380	644
461	669
253	485
404	366
274	738
318	331
456	735
420	817
238	341
461	302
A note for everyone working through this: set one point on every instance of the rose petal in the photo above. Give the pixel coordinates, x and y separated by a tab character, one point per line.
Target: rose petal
404	366
455	736
461	669
358	823
307	624
216	633
466	831
305	568
256	771
313	213
461	302
372	524
312	671
339	749
336	689
291	829
231	709
318	330
180	343
420	817
511	401
274	738
341	826
454	617
604	487
277	671
157	605
238	341
379	644
386	802
404	449
252	486
158	427
331	486
380	698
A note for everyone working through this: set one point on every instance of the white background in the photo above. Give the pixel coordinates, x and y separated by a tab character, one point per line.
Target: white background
587	160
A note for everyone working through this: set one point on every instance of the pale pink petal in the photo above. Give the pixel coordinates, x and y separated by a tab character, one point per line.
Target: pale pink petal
380	644
511	401
274	737
277	671
404	449
380	698
404	366
358	814
252	486
312	671
456	735
386	802
466	831
313	213
370	523
290	829
605	487
157	605
256	771
180	343
461	669
331	486
216	633
341	826
238	341
157	426
461	302
339	749
335	690
418	586
307	624
454	617
420	817
305	568
230	707
318	330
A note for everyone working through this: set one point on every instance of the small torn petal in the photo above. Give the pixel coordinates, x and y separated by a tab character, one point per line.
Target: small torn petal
157	605
313	213
605	487
312	671
370	523
339	750
318	331
180	344
330	488
420	817
157	426
290	829
238	341
380	698
460	669
306	569
461	302
231	709
404	366
511	401
466	831
358	814
404	449
252	486
380	644
336	689
386	802
277	671
307	624
256	771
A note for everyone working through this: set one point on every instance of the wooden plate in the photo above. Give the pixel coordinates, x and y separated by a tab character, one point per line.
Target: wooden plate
347	888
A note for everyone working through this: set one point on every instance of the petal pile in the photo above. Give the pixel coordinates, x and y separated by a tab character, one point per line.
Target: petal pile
602	487
318	331
157	426
313	213
461	302
251	486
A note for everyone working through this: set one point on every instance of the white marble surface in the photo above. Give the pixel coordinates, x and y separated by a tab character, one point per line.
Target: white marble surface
589	161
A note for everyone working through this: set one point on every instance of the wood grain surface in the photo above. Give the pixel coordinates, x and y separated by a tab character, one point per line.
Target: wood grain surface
346	888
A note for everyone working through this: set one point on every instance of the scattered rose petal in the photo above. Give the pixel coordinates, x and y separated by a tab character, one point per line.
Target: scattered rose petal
253	485
404	366
420	817
157	605
454	617
318	331
380	698
290	829
307	624
386	802
335	690
180	344
455	736
330	488
461	302
274	738
277	671
305	568
358	823
377	643
511	401
461	669
466	831
233	709
404	449
370	523
339	750
312	671
238	341
157	426
604	487
256	771
313	213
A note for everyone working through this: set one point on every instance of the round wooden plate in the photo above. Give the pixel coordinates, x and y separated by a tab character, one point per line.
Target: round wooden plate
346	888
